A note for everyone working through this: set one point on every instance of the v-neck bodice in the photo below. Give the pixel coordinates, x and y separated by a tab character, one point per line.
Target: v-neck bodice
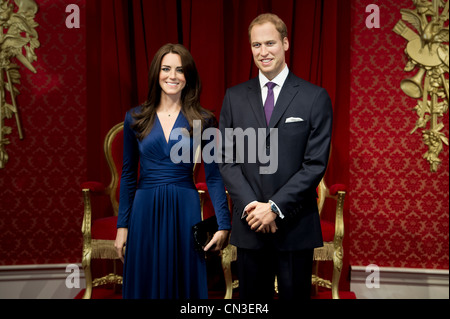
157	165
171	129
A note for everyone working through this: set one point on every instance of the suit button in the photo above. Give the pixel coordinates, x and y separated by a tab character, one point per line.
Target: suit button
267	147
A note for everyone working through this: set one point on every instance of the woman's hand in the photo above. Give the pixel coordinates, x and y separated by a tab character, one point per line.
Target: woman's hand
121	239
219	241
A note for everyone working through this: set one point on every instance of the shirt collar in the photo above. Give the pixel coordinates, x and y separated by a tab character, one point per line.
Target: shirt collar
278	80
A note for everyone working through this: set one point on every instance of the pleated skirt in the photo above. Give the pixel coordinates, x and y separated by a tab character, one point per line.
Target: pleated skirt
160	259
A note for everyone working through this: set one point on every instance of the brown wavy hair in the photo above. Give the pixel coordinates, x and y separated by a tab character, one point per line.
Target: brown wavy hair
144	117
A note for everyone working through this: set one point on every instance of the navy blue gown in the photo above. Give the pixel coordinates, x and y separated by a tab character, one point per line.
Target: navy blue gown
159	208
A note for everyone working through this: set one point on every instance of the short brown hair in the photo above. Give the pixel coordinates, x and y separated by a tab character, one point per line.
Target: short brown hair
272	18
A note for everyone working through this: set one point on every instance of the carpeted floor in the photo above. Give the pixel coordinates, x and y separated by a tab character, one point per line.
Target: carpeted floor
105	293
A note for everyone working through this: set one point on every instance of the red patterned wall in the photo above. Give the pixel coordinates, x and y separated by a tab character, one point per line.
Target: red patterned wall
40	203
399	210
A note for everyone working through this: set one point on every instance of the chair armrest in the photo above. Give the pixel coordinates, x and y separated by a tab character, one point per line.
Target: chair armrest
87	188
202	187
334	189
93	186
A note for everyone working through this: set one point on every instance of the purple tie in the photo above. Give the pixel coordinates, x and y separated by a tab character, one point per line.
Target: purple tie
269	104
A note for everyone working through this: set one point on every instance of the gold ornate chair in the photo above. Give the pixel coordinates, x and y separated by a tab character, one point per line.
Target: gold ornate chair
333	234
99	234
229	254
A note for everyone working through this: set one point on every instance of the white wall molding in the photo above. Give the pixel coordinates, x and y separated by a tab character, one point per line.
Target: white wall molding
400	283
49	282
38	281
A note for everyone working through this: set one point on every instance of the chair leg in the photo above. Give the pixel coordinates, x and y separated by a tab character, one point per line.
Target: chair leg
315	288
86	263
337	268
117	287
338	258
335	283
226	267
87	242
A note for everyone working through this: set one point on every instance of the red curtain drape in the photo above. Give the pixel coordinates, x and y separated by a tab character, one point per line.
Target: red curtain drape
123	35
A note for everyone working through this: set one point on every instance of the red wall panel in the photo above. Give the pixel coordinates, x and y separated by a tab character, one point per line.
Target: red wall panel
399	210
40	200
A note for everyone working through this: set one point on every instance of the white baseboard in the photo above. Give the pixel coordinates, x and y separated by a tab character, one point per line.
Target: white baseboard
50	282
41	281
399	283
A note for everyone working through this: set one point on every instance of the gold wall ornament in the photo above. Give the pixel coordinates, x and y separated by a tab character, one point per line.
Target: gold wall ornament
18	39
428	52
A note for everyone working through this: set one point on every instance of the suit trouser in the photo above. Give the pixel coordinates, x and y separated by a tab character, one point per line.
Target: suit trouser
257	270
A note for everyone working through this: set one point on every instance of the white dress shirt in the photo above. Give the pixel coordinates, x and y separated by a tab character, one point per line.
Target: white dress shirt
278	80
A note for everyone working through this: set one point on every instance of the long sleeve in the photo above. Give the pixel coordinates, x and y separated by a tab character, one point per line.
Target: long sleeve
216	189
129	175
315	160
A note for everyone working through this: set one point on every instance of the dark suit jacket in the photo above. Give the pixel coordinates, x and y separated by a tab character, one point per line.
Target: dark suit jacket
303	149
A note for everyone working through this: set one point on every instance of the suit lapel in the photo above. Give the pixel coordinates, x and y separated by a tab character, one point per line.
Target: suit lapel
254	97
288	92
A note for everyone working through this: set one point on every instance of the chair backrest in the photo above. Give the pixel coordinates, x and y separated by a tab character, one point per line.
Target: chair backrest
322	192
113	149
322	189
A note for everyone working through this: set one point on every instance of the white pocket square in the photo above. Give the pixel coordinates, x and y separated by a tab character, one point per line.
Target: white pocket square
293	119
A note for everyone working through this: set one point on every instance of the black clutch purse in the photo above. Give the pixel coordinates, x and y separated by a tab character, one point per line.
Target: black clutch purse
203	232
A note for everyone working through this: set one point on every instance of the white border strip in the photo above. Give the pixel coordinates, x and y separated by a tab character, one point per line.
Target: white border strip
400	283
35	272
394	275
46	281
